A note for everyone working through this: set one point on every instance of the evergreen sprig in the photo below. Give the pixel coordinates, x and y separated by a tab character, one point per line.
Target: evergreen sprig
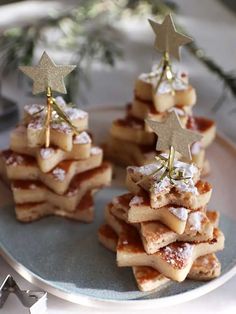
93	41
86	32
228	78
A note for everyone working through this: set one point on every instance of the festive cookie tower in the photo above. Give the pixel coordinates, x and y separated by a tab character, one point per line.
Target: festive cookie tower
131	141
162	228
52	166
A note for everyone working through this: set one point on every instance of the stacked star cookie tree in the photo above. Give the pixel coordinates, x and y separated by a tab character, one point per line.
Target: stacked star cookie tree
155	95
162	228
52	166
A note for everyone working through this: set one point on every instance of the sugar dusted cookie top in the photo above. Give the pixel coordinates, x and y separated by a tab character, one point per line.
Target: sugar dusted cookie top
72	113
82	138
180	83
150	177
68	125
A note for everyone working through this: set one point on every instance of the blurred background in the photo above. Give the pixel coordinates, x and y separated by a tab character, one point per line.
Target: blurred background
111	42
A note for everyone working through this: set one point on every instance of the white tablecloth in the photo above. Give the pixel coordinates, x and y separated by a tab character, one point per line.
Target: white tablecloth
213	26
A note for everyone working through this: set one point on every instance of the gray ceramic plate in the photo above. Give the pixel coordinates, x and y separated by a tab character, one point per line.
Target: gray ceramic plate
65	258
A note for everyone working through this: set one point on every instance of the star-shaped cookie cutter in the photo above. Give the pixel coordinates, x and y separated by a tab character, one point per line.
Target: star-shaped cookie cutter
35	301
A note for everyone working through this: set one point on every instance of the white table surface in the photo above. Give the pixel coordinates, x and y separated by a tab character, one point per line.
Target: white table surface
213	26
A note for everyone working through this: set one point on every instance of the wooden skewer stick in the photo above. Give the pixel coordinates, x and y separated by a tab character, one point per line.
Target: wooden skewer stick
48	117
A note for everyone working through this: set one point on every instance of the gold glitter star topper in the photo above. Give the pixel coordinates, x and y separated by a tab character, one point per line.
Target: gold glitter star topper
172	136
48	77
47	74
168	41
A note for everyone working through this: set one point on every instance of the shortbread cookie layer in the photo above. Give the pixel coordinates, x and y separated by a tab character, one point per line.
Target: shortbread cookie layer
173	261
35	191
61	134
24	167
48	158
30	212
147	278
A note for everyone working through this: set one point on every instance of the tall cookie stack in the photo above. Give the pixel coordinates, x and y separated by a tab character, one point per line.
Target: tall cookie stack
60	179
162	228
55	175
155	95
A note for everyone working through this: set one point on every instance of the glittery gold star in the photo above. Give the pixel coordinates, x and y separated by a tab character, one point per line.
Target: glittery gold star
171	133
167	38
47	75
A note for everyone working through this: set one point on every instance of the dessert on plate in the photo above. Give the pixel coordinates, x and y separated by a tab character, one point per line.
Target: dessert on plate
163	228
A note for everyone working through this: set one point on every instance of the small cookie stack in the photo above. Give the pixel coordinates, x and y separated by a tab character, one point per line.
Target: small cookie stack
132	142
162	228
58	180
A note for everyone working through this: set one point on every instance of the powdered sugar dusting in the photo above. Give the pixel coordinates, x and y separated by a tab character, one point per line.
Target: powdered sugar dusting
136	200
158	185
46	153
195	220
152	76
32	186
82	138
165	87
146	169
177	256
95	150
71	112
125	242
161	186
59	174
208	261
60	101
14	160
75	113
179	212
36	124
62	127
33	109
146	77
187	185
195	148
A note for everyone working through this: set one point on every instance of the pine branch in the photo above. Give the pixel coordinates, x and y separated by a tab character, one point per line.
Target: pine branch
86	43
93	43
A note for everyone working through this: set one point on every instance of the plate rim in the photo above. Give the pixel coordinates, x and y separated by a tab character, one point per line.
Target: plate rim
82	299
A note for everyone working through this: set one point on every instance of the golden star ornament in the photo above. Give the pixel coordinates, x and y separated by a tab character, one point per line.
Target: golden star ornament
171	134
47	75
168	39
